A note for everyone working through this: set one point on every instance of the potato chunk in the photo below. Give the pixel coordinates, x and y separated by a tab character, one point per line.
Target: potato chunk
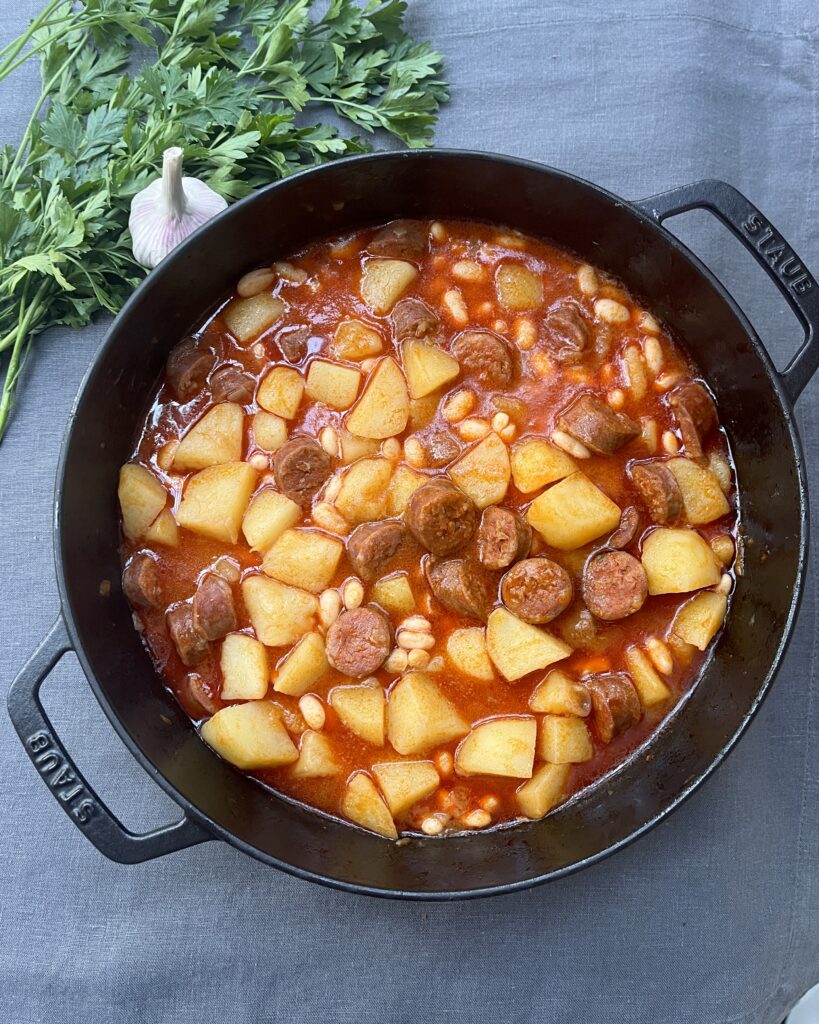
354	340
383	409
303	667
651	688
383	282
405	482
268	515
215	439
564	740
361	709
500	746
536	463
243	661
333	384
518	648
572	513
269	431
404	783
163	530
316	758
280	615
250	736
699	619
362	804
141	497
354	448
215	500
422	410
518	287
544	790
246	319
427	367
466	649
394	594
363	494
701	491
280	391
484	471
304	558
559	694
678	560
419	716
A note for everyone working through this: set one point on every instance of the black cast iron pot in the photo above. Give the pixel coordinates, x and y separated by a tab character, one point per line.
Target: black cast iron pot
621	237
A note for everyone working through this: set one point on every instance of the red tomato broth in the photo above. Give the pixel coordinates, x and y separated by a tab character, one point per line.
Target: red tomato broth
337	297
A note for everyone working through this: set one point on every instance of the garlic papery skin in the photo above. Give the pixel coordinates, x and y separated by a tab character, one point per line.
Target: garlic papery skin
168	210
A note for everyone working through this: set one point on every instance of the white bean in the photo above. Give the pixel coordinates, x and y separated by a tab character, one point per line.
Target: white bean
458	405
397	661
312	711
352	594
468	270
660	655
256	282
391	449
432	826
416	622
328	439
635	371
671	444
616	398
474	429
611	312
410	640
418	659
476	819
454	302
653	352
329	607
725	584
414	452
570	445
587	280
525	334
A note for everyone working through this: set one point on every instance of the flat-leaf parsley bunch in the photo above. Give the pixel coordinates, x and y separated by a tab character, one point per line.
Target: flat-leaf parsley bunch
123	80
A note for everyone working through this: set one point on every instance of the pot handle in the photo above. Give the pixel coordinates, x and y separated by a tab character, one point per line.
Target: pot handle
768	248
66	781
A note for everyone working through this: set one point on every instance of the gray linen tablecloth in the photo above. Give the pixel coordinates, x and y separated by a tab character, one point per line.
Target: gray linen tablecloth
713	917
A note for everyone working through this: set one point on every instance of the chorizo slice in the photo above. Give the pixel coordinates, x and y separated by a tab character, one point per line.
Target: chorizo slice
201	694
503	537
190	643
485	356
300	468
614	585
659	490
596	425
229	383
214	613
372	546
413	318
359	641
537	590
627	530
696	415
463	587
441	517
293	343
615	703
401	240
566	333
187	368
141	583
441	448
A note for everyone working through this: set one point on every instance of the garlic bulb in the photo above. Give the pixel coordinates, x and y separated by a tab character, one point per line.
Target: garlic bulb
168	210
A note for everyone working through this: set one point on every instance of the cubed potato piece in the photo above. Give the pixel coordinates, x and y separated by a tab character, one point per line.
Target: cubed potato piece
699	619
279	615
355	340
333	384
536	463
246	319
564	740
268	515
303	667
518	287
544	790
394	594
422	410
419	717
650	686
354	448
362	804
215	500
500	746
383	409
572	513
243	661
250	736
484	471
304	558
678	560
363	494
141	497
404	483
466	649
163	530
361	709
427	367
269	431
518	648
559	694
383	282
280	391
214	439
316	757
702	494
404	783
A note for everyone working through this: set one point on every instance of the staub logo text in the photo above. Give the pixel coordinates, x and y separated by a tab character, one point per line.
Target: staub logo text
60	777
776	251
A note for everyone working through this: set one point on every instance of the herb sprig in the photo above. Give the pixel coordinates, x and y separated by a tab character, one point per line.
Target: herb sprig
232	82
